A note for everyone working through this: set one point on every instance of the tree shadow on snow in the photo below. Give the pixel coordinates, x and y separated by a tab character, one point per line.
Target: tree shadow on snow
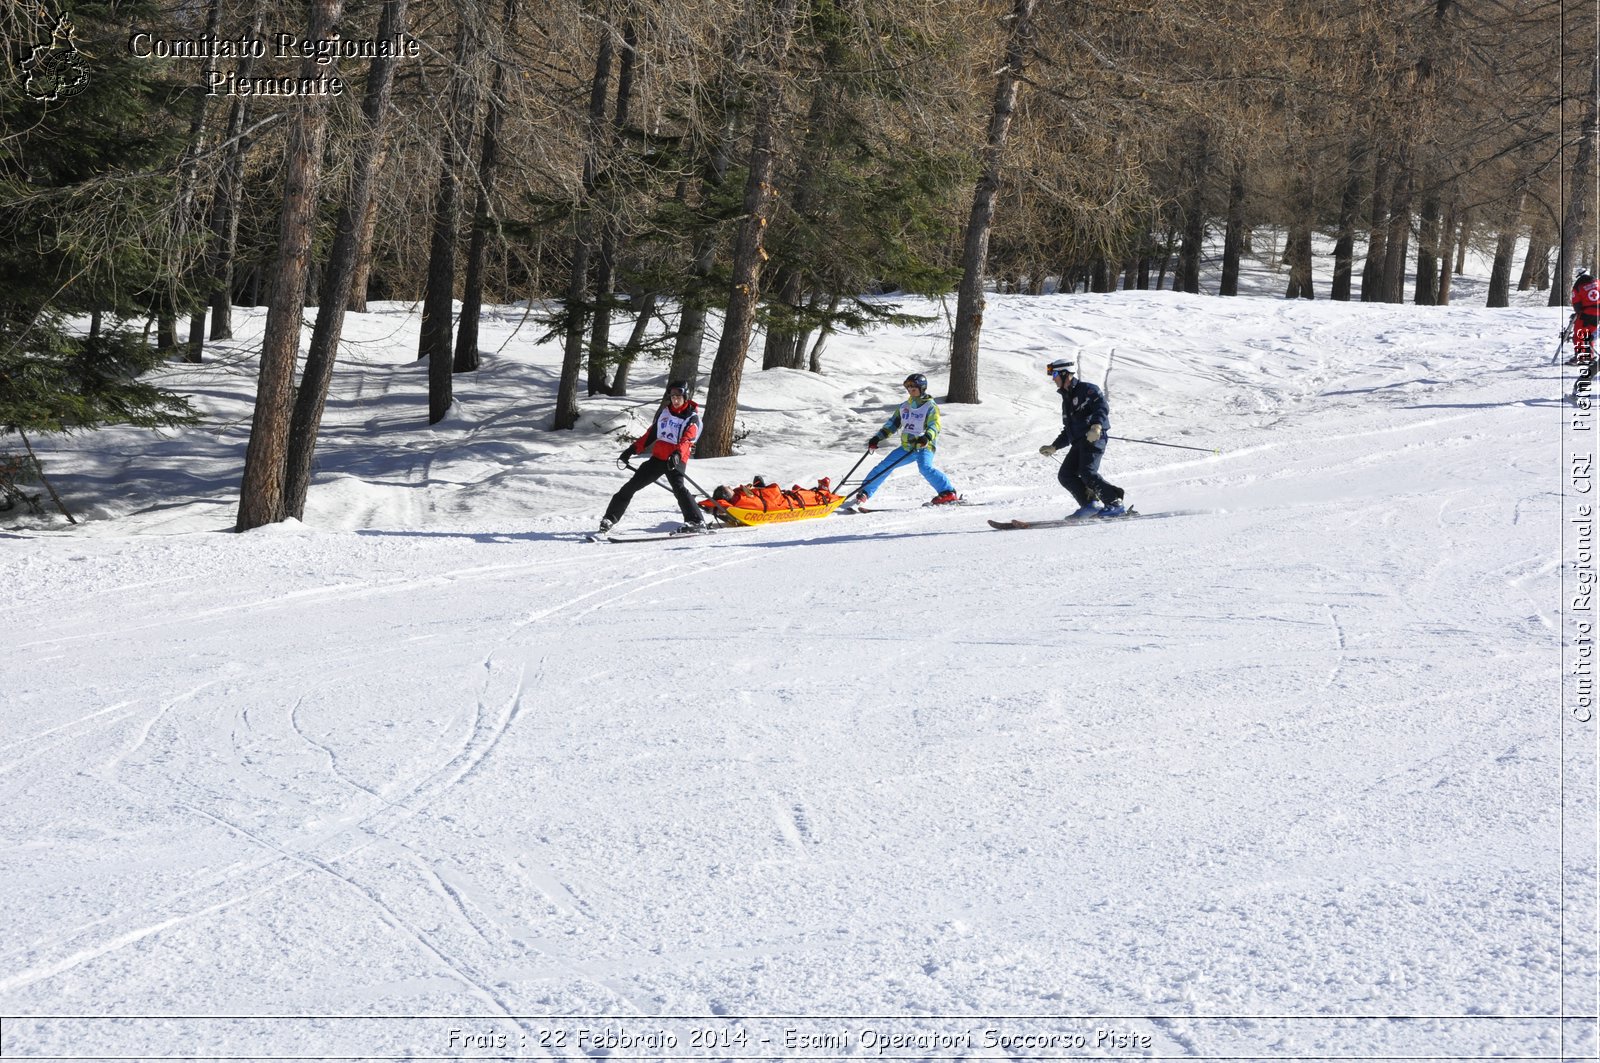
480	537
1483	405
867	536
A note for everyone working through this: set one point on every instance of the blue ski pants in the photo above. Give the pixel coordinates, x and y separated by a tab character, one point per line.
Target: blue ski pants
922	458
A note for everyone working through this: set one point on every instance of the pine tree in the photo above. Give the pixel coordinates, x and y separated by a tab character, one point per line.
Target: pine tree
87	173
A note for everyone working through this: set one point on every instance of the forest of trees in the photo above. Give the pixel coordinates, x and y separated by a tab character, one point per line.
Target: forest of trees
632	165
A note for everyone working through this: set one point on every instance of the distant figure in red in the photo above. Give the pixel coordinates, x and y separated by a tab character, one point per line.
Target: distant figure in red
1585	316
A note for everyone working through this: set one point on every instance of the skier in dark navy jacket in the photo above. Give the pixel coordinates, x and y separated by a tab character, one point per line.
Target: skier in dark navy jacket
1086	423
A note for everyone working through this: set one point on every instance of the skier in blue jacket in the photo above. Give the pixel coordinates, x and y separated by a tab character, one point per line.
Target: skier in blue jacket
1085	424
917	421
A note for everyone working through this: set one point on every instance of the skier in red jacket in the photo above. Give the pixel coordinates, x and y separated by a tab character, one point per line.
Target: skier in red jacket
1585	316
670	439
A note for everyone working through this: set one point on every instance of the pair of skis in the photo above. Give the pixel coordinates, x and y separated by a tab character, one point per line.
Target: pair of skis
998	525
1018	525
925	505
608	537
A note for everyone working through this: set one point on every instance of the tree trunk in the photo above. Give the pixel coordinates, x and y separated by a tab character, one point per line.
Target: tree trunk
1500	273
815	363
1573	225
605	267
261	491
980	219
1298	255
230	189
785	343
1165	262
1187	278
1349	202
1233	236
438	304
183	210
722	403
691	334
1394	255
1427	287
1505	247
778	350
691	331
362	276
645	308
599	141
577	298
1377	232
339	276
1447	252
1399	246
466	360
1536	266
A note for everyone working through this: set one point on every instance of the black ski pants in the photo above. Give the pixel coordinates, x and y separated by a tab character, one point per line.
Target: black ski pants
1080	475
648	472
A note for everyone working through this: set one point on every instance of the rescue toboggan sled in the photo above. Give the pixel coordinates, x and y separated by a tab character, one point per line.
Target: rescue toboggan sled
763	503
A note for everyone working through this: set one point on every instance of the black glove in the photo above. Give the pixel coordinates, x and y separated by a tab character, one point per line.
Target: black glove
675	462
872	444
627	452
921	441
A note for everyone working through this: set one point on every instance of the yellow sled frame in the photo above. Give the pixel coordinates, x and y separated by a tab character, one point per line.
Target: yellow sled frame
740	515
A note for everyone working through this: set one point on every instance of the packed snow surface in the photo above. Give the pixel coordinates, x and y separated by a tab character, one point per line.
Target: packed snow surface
1281	770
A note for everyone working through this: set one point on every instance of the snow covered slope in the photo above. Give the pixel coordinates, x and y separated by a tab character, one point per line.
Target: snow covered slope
1280	776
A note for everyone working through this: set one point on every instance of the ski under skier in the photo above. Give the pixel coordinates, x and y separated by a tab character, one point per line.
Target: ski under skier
1585	316
1086	423
670	439
917	421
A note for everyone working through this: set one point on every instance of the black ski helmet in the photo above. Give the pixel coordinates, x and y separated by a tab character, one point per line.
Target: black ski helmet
678	385
916	380
1583	278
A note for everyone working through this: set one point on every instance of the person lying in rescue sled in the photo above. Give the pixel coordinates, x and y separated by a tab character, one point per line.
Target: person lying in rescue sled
918	422
761	496
670	439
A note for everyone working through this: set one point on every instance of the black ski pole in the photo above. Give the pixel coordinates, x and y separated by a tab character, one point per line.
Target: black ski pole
840	481
703	492
629	466
1566	334
1176	446
896	464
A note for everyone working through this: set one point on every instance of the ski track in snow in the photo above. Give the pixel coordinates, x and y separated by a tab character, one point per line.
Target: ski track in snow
428	754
